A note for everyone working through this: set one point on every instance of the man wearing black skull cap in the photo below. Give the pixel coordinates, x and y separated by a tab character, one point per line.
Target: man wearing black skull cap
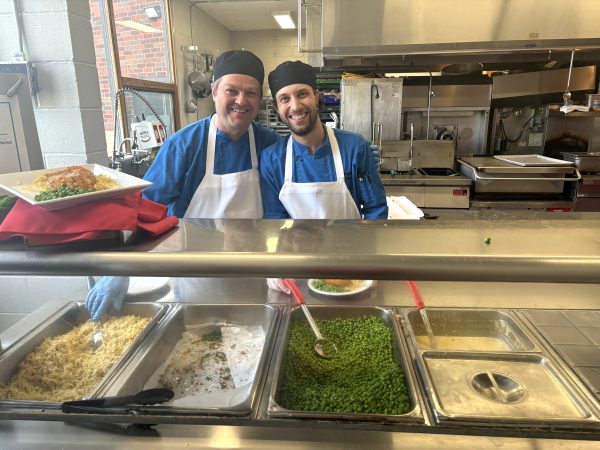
318	173
209	169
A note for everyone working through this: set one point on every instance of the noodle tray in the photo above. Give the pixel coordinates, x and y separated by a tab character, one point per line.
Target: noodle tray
34	375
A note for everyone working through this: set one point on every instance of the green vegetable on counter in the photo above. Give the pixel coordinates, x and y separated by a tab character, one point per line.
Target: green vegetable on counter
362	378
322	285
59	192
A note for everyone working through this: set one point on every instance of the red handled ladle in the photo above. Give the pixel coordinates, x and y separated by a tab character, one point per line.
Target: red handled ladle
421	307
323	347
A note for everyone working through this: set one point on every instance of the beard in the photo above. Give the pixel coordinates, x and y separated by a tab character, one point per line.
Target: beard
303	130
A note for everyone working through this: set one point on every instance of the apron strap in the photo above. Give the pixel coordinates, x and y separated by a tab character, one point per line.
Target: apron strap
212	139
210	146
337	156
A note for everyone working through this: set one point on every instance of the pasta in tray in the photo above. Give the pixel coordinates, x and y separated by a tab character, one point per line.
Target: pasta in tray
66	367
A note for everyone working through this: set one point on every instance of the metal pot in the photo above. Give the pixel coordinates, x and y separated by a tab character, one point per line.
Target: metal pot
196	79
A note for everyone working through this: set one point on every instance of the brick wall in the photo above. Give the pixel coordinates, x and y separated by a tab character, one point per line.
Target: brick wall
141	55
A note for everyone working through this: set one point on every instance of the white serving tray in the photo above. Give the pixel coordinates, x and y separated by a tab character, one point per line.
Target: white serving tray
18	183
532	160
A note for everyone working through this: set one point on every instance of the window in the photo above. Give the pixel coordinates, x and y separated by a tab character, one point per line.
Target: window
133	50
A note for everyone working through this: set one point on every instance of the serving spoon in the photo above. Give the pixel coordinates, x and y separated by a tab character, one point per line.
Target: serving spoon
322	346
421	307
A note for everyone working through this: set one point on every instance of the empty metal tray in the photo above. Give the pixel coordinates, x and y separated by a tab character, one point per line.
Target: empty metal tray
70	316
469	330
399	351
501	389
215	396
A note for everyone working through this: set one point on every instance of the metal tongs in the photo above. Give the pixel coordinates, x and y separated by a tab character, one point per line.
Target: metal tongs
103	404
323	347
421	307
98	337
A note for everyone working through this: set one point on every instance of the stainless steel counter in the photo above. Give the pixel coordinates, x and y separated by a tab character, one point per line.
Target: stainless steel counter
443	255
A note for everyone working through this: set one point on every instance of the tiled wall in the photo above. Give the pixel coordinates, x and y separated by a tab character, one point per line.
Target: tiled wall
20	296
272	46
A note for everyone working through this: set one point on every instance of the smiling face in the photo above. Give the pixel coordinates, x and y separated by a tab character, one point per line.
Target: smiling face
237	100
297	106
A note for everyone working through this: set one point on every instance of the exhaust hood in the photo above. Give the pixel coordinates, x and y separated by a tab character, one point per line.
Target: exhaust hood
393	33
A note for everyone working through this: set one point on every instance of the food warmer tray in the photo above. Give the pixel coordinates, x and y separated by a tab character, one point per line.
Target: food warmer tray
473	330
141	370
487	369
400	353
65	319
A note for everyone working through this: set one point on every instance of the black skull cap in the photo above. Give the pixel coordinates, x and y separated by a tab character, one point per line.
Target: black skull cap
241	62
292	72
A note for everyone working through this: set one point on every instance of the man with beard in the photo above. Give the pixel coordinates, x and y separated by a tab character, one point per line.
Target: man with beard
318	173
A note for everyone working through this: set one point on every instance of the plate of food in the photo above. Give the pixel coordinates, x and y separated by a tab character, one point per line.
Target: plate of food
338	288
69	186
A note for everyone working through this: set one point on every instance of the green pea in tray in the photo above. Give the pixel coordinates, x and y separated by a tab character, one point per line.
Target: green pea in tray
370	378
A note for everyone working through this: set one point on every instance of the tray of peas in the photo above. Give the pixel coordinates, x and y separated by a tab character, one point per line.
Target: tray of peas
370	378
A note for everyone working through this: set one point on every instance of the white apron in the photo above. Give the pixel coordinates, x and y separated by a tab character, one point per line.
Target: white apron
320	200
229	196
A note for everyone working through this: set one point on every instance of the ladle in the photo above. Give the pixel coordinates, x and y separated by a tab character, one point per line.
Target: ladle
421	307
323	347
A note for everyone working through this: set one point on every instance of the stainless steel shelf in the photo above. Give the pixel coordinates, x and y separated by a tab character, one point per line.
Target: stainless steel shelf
547	249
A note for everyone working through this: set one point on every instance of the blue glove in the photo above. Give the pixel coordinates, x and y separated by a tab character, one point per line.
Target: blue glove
109	291
376	153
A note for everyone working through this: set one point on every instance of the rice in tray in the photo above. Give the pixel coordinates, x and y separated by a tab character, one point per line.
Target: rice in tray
66	367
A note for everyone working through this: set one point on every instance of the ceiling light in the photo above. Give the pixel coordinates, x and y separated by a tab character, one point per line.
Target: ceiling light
284	19
153	12
137	26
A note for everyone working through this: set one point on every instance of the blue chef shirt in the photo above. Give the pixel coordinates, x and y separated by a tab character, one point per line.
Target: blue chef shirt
361	176
181	162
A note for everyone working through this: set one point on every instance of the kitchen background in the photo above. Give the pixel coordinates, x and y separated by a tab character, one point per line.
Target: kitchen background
477	83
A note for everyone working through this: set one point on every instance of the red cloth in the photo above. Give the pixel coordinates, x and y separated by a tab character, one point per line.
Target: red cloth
86	221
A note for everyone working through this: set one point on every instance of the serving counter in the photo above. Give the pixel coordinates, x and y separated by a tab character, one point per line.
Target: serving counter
499	270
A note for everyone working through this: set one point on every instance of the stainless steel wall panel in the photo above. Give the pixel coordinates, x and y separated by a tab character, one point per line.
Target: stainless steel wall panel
387	27
385	96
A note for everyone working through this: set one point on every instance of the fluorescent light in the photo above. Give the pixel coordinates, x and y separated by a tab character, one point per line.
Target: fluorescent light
137	26
284	19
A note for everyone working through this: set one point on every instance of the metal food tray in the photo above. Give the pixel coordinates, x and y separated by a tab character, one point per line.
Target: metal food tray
532	160
400	352
533	392
70	316
584	161
494	176
475	330
158	345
